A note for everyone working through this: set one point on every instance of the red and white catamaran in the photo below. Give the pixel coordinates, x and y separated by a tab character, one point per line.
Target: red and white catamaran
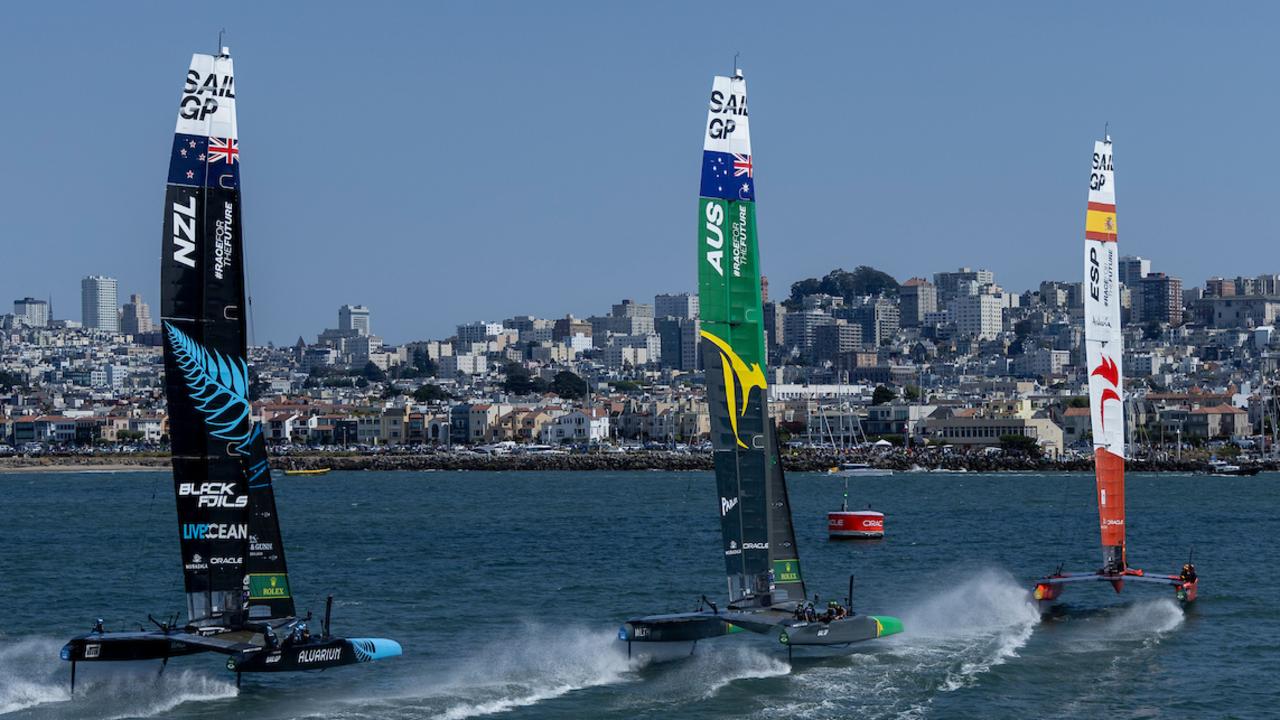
1103	344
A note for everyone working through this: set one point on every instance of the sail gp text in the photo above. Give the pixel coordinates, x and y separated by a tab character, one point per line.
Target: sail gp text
200	96
222	247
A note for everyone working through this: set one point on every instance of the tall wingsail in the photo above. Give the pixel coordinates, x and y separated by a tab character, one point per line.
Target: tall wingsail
206	373
734	355
1104	352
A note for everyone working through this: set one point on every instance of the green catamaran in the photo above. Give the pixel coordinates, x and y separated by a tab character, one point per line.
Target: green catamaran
767	592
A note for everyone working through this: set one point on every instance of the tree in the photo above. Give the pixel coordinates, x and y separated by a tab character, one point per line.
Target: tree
569	386
11	379
911	392
882	395
1020	445
430	392
391	391
1152	331
372	372
863	281
425	366
1078	402
518	381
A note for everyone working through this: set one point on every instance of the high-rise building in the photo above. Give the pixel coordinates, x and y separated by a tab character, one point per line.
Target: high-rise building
568	326
917	297
1158	298
764	288
978	316
354	318
799	329
774	314
1133	268
832	341
681	305
679	342
953	284
33	312
99	307
135	317
879	318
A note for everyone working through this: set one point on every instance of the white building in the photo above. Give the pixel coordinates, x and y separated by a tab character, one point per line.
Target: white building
33	312
478	332
590	425
978	316
354	318
99	305
462	364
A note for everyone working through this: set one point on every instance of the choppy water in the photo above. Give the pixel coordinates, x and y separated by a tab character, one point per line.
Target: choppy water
506	590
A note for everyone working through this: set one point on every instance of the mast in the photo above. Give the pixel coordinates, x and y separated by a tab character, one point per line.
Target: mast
212	435
1104	353
761	564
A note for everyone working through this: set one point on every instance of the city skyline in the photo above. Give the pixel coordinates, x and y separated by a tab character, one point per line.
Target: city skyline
999	182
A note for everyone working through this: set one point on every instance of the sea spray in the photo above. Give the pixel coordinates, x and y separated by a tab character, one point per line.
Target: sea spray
31	675
954	632
532	663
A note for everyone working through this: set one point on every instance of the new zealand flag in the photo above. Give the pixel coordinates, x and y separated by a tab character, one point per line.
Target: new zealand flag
728	176
199	160
189	159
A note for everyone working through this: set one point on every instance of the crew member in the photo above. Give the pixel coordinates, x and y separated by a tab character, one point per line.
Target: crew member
1188	574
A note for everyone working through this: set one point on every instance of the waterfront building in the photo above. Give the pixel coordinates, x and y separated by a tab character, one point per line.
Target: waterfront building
32	312
99	308
135	317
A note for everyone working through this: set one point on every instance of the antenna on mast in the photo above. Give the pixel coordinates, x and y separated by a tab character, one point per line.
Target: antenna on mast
737	74
1106	132
222	51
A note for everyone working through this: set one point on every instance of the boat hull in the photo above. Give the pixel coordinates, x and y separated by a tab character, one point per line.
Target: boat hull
317	654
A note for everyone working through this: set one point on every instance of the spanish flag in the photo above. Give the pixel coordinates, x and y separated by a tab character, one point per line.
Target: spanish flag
1100	223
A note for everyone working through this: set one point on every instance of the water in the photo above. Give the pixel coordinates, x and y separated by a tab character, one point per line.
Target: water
506	590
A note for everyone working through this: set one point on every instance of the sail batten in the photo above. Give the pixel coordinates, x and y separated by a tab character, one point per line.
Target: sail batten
1104	352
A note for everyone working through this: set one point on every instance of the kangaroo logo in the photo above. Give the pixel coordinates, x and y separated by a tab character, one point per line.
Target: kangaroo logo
738	382
1108	371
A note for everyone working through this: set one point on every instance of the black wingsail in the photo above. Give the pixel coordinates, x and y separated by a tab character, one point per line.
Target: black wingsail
268	575
206	373
784	556
741	483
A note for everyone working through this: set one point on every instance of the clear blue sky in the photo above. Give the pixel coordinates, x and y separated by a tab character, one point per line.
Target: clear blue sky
445	163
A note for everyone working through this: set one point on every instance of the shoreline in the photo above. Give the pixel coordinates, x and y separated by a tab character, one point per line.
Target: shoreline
650	460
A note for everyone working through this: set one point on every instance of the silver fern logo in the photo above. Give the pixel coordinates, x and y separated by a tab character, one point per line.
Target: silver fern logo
218	385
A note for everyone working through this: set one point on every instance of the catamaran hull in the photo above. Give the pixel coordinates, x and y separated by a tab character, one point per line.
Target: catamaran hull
315	655
124	647
1048	592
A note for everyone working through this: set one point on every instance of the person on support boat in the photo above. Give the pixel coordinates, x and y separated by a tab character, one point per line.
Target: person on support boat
1188	574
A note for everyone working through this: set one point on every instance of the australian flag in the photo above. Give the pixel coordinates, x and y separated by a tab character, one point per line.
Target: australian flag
199	160
728	176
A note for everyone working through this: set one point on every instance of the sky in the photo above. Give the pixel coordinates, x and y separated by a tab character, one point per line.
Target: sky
449	162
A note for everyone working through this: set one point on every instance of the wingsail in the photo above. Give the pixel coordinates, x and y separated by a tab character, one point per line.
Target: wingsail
206	370
762	562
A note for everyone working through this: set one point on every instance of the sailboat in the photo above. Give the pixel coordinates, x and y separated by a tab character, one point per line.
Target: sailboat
239	600
1104	351
766	588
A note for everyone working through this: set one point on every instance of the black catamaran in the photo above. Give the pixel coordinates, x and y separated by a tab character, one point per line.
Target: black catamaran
239	602
767	593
